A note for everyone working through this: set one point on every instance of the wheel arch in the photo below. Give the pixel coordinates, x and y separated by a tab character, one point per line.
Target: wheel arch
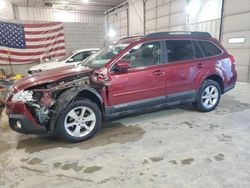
69	96
218	79
92	95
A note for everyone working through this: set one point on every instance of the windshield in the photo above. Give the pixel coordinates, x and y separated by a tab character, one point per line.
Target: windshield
102	57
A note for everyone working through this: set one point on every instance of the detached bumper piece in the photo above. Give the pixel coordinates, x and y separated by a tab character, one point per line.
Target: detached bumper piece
22	124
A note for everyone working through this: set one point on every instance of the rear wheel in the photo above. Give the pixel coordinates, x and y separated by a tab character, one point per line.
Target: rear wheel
80	121
209	96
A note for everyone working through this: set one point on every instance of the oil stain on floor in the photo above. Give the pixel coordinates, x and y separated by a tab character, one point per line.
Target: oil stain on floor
74	166
35	161
187	161
156	159
92	169
113	132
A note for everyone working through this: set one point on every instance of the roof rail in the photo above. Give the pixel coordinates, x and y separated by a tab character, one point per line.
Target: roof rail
179	33
130	37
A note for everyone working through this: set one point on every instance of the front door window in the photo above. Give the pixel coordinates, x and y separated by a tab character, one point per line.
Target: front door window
144	55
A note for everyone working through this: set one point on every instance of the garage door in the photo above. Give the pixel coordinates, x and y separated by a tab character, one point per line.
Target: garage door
236	35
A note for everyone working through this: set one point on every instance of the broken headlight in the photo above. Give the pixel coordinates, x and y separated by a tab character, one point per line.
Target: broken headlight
22	96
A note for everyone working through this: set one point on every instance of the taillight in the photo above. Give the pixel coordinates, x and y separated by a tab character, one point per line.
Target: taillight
232	59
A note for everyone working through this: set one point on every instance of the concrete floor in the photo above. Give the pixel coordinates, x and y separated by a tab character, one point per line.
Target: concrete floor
175	147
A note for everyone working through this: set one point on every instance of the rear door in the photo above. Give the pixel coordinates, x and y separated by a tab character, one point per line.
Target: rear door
145	81
184	63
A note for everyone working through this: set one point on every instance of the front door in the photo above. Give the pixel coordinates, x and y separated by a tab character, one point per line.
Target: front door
144	83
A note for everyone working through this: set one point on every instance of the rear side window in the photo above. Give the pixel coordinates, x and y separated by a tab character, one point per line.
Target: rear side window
209	48
179	50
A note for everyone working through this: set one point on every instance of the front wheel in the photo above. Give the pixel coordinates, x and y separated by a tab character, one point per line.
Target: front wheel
209	96
80	121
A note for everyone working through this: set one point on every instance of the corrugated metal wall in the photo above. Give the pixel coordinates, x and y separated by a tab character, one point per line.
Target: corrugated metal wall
6	11
236	24
42	14
136	18
81	29
168	15
165	15
118	21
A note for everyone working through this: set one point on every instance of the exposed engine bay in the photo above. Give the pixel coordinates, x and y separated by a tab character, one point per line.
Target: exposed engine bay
48	98
40	101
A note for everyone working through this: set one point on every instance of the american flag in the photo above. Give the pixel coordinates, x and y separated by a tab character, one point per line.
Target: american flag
28	43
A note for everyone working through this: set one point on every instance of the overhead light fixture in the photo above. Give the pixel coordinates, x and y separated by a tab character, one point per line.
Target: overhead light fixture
85	1
64	15
193	8
237	40
3	5
112	33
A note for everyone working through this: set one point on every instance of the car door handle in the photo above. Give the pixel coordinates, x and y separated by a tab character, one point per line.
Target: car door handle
158	72
200	65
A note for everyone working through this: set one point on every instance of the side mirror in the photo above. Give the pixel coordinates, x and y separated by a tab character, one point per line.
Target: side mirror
70	60
122	65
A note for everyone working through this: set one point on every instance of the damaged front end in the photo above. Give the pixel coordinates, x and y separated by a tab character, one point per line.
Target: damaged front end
45	102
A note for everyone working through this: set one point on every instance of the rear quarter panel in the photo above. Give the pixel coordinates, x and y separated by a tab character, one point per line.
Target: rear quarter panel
213	68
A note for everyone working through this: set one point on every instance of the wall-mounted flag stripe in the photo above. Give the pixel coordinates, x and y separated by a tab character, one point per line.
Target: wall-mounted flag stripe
29	43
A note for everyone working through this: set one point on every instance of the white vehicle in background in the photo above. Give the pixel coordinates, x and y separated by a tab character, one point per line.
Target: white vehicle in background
75	58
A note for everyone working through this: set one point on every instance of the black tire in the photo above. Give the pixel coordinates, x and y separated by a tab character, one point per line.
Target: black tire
199	104
60	125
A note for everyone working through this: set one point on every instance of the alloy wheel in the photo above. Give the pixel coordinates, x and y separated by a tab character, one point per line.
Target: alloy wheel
80	121
210	96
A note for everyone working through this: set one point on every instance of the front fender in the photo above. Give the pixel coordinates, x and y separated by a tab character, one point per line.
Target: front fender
93	91
66	98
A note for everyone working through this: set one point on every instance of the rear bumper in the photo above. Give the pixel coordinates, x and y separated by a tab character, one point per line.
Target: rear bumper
27	127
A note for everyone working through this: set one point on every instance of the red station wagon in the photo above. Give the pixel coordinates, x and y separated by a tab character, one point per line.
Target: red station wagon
132	75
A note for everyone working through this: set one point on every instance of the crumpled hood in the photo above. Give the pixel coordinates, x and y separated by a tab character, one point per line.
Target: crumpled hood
49	76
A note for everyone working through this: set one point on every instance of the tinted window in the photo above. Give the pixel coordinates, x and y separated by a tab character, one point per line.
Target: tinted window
77	57
87	54
197	51
179	50
103	56
209	48
144	55
81	56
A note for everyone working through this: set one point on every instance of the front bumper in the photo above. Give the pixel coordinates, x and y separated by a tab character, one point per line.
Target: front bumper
25	125
18	113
